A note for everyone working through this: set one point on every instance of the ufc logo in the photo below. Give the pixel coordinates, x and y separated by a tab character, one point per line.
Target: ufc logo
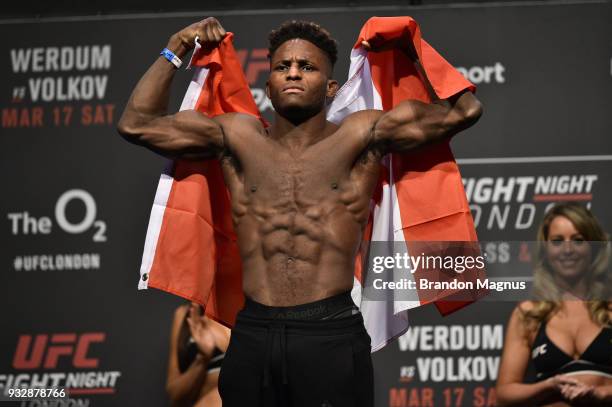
254	62
52	347
538	350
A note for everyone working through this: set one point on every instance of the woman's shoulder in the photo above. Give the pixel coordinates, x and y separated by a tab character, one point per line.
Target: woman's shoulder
519	313
527	318
213	323
525	306
181	311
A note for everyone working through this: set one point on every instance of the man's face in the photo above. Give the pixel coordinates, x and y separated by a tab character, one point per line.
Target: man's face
299	80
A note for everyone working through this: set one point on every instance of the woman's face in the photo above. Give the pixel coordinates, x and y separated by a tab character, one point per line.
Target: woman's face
568	253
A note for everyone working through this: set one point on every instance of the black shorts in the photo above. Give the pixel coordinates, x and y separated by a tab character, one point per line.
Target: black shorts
310	355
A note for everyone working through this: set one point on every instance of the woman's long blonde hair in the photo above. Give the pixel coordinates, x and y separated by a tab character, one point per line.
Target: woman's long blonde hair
598	279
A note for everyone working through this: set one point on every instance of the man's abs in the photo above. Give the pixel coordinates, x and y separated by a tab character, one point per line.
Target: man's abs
292	258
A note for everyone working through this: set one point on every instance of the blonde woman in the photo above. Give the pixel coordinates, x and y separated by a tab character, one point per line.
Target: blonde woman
197	348
566	332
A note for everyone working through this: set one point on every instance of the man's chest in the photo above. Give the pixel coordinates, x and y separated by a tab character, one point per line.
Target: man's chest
313	173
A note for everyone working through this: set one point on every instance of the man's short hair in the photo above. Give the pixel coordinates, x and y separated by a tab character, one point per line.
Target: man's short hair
305	30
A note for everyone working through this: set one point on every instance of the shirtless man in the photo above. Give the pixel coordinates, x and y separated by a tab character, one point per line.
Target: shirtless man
300	193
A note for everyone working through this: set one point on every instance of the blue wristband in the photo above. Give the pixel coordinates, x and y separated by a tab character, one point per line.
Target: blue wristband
169	55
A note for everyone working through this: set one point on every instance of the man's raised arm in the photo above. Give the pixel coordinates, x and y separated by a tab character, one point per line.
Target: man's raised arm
145	121
413	123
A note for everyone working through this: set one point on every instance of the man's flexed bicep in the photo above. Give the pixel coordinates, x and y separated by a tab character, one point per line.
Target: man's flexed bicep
145	121
413	123
187	134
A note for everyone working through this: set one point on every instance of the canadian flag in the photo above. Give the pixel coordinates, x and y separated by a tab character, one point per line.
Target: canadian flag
191	248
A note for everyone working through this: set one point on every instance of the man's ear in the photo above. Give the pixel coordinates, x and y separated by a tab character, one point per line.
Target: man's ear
268	89
332	88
